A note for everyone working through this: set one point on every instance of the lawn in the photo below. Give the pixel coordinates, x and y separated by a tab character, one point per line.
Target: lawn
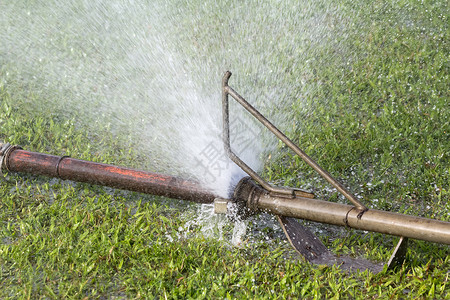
378	120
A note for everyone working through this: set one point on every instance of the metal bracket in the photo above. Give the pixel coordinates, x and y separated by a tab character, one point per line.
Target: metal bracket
304	241
314	251
227	90
399	254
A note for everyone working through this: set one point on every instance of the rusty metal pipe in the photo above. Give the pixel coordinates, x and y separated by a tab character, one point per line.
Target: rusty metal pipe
17	160
250	195
258	199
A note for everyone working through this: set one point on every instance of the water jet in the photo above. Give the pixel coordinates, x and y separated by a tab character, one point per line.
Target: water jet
251	195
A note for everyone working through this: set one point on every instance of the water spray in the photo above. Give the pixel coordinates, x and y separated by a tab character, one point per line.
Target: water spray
251	195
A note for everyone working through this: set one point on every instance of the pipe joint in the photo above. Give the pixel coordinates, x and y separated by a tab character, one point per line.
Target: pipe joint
5	151
246	197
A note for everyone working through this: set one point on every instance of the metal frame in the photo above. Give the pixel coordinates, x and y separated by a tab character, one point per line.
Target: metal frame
285	203
227	90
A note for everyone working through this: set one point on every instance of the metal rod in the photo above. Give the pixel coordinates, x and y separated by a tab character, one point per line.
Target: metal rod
344	215
233	156
247	192
227	90
68	168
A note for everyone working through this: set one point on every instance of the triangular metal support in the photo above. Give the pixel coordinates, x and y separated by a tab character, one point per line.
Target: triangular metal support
315	252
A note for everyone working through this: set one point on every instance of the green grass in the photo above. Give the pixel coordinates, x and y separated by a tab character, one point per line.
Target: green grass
381	125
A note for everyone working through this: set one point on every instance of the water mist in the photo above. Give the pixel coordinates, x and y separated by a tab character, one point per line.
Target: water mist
152	71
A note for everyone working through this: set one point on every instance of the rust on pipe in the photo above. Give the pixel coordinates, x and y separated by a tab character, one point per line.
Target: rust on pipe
258	199
247	193
68	168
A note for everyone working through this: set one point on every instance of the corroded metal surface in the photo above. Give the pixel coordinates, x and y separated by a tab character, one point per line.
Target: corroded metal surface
108	175
302	239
